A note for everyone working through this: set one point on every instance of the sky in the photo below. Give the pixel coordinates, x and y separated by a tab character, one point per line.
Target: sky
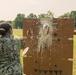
10	8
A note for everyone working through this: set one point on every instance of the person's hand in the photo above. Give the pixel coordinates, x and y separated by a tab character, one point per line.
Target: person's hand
25	37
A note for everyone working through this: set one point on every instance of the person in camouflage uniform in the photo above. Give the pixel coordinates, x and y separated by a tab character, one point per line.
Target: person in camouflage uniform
10	47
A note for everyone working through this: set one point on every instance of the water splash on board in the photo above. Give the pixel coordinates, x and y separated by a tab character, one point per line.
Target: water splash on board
45	33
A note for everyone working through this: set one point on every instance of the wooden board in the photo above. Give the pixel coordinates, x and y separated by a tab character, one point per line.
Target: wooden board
54	60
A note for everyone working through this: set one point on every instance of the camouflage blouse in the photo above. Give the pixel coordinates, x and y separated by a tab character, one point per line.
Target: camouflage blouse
10	55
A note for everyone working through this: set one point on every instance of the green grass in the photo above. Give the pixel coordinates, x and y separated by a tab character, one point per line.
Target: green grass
74	56
19	32
74	42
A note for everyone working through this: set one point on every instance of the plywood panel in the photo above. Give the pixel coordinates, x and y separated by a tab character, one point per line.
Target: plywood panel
54	60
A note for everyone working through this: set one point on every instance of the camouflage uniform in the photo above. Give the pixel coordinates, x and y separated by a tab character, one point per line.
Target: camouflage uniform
10	55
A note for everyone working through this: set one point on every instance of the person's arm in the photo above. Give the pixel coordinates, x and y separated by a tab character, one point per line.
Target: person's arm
21	41
23	44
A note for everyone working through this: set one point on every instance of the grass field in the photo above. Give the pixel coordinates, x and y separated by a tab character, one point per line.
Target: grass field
19	33
74	56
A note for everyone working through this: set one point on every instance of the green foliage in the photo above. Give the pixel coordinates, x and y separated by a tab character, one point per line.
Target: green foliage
46	15
75	21
13	25
31	16
71	14
42	15
17	23
65	15
9	22
2	21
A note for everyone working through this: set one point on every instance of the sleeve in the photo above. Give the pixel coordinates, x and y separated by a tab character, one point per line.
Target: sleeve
22	42
23	46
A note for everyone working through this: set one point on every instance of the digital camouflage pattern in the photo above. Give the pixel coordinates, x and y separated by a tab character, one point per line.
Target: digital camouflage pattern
10	55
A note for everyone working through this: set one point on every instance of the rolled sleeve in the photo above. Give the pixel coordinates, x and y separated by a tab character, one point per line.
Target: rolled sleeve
22	43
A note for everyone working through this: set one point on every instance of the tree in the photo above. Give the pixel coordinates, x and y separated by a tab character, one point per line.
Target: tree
9	22
65	15
75	21
42	16
71	14
49	14
2	21
17	23
31	15
13	25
